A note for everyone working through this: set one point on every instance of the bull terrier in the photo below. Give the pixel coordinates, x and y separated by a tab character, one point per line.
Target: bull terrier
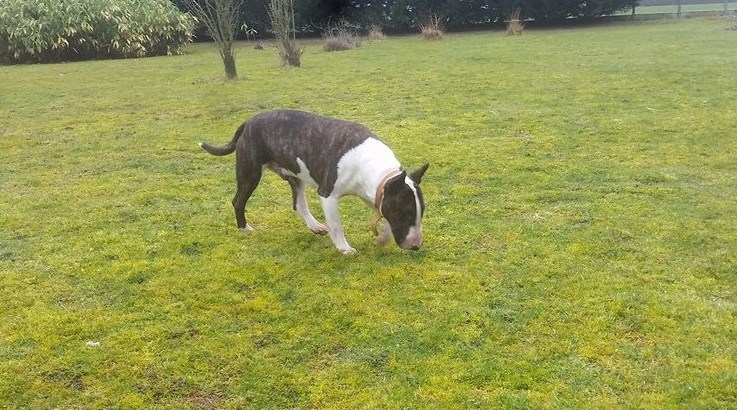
338	158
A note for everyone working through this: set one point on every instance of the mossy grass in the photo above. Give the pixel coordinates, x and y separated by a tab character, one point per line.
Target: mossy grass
580	233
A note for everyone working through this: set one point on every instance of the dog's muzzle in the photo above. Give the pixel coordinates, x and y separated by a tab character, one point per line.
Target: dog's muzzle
413	241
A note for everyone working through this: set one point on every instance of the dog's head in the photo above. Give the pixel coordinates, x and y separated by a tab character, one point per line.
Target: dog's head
403	207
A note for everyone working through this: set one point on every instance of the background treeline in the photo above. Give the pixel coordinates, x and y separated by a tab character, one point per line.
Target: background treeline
397	16
64	30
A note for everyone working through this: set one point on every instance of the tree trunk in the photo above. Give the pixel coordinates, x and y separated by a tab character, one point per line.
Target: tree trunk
229	63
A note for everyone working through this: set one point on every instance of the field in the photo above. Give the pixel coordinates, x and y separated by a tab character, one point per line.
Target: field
580	233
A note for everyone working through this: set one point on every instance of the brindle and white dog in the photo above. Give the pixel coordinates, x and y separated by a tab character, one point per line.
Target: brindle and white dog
339	158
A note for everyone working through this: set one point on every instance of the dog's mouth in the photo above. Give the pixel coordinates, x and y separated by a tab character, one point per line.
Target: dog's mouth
413	240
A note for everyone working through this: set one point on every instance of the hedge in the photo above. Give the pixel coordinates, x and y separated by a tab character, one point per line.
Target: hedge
64	30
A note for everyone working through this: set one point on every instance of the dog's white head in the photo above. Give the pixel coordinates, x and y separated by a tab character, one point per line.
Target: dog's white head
403	207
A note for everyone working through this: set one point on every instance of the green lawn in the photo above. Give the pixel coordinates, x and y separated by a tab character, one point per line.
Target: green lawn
580	233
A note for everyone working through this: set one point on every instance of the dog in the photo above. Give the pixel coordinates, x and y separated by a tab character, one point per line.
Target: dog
339	158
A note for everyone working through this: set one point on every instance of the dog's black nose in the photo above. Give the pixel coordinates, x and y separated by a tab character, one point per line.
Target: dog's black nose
414	248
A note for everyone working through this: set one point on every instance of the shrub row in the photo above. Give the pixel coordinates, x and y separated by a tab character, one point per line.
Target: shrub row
63	30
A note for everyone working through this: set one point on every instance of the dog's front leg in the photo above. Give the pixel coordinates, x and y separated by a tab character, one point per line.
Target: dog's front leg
385	234
335	228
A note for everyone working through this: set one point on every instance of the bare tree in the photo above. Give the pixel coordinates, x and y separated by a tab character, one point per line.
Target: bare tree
281	13
220	17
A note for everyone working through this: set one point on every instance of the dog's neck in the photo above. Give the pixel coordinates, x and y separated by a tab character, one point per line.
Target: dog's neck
381	187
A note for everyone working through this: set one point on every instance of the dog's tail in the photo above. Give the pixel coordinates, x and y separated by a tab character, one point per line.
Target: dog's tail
225	149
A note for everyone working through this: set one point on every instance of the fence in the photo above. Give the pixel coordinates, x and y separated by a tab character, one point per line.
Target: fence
686	7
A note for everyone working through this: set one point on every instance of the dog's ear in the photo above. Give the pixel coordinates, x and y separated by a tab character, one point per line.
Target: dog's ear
396	182
417	175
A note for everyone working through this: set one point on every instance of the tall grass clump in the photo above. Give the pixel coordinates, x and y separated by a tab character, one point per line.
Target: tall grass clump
514	23
375	33
733	23
340	37
42	31
432	29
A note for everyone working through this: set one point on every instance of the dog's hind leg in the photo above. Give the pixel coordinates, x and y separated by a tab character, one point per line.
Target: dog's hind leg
247	177
299	204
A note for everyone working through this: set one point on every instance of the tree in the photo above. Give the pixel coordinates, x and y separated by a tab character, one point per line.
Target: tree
220	17
282	20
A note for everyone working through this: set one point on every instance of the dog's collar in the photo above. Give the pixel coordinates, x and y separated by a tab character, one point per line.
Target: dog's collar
380	197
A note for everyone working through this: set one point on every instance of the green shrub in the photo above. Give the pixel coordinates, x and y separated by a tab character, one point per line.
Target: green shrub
62	30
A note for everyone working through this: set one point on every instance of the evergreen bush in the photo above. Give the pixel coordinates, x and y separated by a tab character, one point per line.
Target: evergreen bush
63	30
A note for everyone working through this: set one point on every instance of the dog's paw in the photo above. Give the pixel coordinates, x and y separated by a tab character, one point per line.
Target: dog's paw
385	235
247	229
382	239
348	251
319	229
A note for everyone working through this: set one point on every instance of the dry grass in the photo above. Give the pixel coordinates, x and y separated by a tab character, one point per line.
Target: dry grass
433	29
732	23
290	54
514	23
340	43
340	38
375	33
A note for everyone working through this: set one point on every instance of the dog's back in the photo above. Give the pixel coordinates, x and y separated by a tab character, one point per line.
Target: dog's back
285	136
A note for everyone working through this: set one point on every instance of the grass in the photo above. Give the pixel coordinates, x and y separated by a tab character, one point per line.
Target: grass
580	235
